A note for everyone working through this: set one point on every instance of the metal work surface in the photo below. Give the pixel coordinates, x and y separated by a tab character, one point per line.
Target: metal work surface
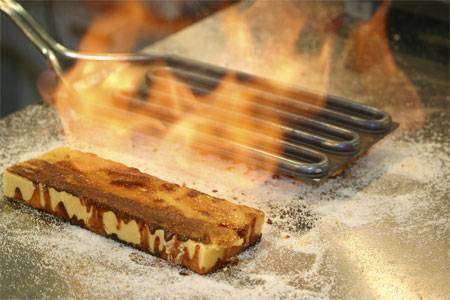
380	230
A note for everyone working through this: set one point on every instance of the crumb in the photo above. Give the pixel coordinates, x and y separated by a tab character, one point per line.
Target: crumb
269	221
287	236
214	191
184	273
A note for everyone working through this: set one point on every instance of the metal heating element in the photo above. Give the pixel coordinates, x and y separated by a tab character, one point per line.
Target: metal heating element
320	135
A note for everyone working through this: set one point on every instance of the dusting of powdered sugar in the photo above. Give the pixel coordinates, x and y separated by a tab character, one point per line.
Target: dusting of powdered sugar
394	184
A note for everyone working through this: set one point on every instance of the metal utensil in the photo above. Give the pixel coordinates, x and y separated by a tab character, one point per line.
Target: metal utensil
53	50
321	134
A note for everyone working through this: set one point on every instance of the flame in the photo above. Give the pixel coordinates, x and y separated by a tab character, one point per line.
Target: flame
102	101
94	85
283	60
125	106
199	120
118	29
368	53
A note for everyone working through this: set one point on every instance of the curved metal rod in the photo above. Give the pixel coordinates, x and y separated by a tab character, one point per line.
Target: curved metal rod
14	11
48	46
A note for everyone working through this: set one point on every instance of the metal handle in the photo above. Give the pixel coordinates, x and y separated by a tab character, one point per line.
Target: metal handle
33	31
49	47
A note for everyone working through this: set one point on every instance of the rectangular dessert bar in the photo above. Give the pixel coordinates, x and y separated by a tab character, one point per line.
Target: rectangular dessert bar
173	222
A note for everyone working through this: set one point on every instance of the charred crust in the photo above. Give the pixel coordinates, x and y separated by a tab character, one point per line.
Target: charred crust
193	193
169	187
127	183
136	200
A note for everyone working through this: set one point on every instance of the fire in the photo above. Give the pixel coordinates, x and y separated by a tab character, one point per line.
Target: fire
122	24
94	85
368	53
104	98
230	105
127	106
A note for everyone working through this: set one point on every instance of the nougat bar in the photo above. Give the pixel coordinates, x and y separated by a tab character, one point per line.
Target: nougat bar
174	222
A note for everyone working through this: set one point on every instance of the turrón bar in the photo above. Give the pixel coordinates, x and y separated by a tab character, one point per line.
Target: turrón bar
174	222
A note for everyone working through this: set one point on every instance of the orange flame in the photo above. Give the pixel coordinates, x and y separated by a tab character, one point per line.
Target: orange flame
104	94
369	53
103	108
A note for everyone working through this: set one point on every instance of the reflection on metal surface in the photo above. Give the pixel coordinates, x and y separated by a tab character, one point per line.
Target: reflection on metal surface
375	263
